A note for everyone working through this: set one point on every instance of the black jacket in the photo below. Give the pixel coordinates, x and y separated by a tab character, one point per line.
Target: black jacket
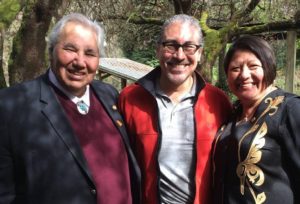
41	160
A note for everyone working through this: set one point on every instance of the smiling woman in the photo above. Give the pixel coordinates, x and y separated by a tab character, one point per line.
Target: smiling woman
245	76
256	155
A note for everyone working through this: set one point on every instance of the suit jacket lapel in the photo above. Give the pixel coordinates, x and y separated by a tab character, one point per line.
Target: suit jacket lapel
110	106
56	116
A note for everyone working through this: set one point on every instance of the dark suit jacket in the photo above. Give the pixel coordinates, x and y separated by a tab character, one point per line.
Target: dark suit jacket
41	160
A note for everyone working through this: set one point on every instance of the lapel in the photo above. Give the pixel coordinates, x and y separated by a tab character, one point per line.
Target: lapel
59	121
108	98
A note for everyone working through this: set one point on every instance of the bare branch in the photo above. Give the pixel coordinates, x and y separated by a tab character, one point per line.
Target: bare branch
268	27
136	19
249	8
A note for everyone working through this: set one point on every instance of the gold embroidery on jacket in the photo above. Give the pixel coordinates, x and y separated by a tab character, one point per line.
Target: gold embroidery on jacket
247	170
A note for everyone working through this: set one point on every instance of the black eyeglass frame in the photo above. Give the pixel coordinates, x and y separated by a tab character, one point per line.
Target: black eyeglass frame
177	46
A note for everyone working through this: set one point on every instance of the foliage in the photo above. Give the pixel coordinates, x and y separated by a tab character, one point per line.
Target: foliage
221	84
146	56
132	26
153	8
280	49
212	38
8	12
298	52
268	11
225	88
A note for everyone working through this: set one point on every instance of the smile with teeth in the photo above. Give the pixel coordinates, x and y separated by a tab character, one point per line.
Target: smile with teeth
178	69
245	85
76	74
178	66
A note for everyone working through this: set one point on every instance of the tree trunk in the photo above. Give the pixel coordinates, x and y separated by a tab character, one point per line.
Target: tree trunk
216	40
221	73
2	78
183	6
28	54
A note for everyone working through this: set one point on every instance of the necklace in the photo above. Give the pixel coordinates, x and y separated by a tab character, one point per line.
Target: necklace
242	121
247	118
252	110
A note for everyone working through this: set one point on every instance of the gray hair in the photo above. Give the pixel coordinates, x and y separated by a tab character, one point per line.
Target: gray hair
184	19
81	19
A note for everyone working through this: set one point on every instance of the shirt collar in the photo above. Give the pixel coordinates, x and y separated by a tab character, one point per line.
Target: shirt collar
85	98
191	93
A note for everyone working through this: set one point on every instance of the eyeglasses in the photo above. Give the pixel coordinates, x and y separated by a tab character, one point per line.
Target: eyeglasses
188	48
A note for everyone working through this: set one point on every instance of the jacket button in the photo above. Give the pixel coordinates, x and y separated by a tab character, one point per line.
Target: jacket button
114	107
93	191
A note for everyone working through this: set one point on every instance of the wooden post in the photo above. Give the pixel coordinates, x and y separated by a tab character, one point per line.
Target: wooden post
291	61
123	83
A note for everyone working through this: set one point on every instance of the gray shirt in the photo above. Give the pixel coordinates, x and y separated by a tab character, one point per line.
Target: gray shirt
177	152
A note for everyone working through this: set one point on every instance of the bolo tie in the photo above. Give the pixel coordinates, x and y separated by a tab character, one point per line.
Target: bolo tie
82	107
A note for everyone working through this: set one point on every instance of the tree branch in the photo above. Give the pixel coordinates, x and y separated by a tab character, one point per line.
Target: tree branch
135	19
244	29
245	13
268	27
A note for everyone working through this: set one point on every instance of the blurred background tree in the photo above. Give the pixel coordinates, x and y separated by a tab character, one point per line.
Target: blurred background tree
8	12
132	27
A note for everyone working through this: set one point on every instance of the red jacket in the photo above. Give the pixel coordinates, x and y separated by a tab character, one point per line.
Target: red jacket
140	111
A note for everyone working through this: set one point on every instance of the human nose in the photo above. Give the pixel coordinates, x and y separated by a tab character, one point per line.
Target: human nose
79	60
180	53
245	71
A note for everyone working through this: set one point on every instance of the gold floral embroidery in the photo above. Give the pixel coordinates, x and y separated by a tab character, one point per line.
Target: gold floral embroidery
247	170
273	105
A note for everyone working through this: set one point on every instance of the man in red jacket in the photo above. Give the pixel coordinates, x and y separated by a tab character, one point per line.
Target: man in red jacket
172	116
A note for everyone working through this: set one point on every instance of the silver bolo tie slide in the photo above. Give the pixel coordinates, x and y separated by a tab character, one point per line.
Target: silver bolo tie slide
82	108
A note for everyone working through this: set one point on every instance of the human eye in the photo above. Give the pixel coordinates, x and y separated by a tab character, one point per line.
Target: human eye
234	69
70	48
91	53
170	46
190	47
254	66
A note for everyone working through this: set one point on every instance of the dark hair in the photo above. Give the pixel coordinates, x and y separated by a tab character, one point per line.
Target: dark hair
262	50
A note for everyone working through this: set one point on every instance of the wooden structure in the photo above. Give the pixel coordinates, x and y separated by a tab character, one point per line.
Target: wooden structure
123	68
291	61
